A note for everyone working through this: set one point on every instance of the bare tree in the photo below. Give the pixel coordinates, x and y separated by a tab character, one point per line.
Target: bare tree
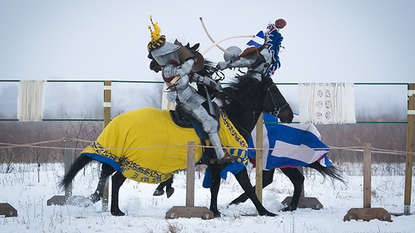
6	158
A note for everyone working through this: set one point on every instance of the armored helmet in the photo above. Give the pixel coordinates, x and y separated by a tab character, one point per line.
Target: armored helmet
162	51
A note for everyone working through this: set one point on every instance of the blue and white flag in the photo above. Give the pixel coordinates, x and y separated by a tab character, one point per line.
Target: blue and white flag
258	40
294	145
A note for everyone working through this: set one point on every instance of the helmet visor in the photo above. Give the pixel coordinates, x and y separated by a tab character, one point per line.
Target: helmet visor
170	58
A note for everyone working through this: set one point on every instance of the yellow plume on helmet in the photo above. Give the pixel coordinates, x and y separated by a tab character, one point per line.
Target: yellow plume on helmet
157	40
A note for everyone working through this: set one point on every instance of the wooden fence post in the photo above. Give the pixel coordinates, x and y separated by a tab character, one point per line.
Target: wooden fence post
107	119
409	148
367	213
190	174
258	160
190	210
107	102
68	158
367	161
7	210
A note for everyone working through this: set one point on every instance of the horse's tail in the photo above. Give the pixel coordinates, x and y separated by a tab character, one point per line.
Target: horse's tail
79	163
331	171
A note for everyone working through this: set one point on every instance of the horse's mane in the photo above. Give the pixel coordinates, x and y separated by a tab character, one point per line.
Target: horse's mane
245	93
241	100
208	68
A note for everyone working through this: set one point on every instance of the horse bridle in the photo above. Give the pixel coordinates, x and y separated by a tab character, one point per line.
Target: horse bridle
272	91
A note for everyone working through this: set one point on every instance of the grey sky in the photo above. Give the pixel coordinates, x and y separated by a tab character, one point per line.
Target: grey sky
325	40
354	40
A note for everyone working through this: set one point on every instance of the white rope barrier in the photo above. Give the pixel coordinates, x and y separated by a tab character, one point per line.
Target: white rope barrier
4	145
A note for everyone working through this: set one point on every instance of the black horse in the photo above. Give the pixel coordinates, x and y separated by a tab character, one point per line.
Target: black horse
243	102
296	178
166	184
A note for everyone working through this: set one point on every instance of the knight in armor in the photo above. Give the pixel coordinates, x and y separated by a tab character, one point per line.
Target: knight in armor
261	60
179	66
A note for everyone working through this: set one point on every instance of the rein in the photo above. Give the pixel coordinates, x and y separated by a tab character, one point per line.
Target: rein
278	109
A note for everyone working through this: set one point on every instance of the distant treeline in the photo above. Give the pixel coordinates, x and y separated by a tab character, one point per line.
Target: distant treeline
384	136
381	136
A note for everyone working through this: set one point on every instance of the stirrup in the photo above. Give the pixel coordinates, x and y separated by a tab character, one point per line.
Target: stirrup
225	160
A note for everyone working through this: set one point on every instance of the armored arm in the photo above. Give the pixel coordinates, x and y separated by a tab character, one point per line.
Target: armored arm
241	62
251	57
206	81
185	68
182	70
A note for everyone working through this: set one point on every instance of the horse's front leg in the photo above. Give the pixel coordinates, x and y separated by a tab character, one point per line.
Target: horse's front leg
106	170
243	179
214	189
267	178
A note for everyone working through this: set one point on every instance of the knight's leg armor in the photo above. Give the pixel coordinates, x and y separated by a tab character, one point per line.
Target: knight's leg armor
210	126
215	141
192	102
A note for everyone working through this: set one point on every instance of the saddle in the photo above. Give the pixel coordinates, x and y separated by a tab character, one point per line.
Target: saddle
184	119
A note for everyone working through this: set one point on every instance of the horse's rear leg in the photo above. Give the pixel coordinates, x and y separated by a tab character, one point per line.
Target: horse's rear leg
246	185
160	189
117	180
106	170
214	190
267	178
298	181
169	190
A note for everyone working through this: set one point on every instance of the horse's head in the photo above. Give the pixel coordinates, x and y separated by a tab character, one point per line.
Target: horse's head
275	102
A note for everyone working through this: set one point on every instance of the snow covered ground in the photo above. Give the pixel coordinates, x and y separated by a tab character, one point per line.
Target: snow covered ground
146	213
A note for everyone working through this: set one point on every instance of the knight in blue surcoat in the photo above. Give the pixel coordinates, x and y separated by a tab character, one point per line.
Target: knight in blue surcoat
261	60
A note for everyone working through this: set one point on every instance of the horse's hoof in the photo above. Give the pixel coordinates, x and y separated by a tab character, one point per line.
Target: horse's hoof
216	213
117	213
94	197
237	201
233	203
288	208
267	213
169	191
158	192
